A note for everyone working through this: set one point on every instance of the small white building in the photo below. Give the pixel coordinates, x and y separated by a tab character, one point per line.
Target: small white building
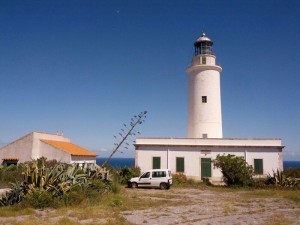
193	156
52	146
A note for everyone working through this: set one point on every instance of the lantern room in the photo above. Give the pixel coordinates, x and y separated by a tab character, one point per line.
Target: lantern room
203	46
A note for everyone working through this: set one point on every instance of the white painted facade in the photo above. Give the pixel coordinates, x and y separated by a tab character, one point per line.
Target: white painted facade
31	147
193	150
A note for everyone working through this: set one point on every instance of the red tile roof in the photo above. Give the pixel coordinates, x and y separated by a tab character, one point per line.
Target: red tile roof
70	148
10	159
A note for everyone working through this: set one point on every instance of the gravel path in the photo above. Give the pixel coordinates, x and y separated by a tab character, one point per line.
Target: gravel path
215	207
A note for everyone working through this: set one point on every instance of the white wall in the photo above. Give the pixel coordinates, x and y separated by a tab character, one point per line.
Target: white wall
37	151
205	118
52	153
21	149
204	80
30	147
89	161
192	157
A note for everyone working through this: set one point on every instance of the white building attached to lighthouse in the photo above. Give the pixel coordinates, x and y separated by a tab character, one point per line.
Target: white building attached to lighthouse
193	156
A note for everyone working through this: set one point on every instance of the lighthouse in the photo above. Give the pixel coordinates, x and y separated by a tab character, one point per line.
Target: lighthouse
204	109
193	156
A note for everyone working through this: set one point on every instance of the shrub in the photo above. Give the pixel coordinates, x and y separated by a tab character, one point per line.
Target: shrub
73	198
9	174
90	194
179	178
292	172
235	169
116	203
41	199
115	186
260	182
128	172
10	168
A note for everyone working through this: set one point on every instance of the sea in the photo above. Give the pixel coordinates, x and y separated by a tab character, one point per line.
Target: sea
121	162
117	162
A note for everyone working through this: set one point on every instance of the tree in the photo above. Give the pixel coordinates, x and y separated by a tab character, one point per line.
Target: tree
235	169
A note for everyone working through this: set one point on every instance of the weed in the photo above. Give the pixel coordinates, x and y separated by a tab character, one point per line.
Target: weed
277	220
28	221
289	194
116	203
66	221
13	211
116	187
41	199
229	209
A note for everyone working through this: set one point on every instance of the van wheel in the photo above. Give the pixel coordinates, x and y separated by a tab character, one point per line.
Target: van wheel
134	185
163	186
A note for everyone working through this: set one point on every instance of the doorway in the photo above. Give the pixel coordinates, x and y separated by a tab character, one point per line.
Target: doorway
205	167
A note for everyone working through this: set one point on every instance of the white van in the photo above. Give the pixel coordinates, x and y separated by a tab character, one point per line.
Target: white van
159	178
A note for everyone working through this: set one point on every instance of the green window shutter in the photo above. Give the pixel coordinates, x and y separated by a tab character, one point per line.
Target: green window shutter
258	166
156	163
179	164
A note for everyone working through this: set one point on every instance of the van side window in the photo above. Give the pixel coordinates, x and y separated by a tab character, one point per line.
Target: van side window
162	173
159	174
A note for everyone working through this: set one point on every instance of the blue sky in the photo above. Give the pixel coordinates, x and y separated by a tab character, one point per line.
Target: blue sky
86	67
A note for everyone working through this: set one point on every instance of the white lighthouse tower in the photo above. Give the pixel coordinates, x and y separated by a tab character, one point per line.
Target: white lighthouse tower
193	156
204	113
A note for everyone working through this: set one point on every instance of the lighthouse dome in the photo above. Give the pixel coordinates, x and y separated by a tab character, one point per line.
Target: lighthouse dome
203	45
202	39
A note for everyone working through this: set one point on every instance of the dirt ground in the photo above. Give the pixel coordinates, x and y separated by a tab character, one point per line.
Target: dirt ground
188	206
195	206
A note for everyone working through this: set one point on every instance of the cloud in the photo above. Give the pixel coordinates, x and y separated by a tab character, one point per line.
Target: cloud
104	150
291	155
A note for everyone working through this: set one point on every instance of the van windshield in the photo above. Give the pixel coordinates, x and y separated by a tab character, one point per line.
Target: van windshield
146	175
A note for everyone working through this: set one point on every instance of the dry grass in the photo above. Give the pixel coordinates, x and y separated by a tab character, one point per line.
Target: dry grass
13	211
290	194
108	211
277	220
229	209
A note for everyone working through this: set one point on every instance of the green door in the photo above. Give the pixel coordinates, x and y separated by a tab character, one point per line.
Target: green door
205	167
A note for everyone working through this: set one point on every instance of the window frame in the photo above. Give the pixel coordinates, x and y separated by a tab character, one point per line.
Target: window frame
180	165
258	166
154	163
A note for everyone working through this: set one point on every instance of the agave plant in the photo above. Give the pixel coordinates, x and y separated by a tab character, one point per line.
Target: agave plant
280	179
15	195
57	180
